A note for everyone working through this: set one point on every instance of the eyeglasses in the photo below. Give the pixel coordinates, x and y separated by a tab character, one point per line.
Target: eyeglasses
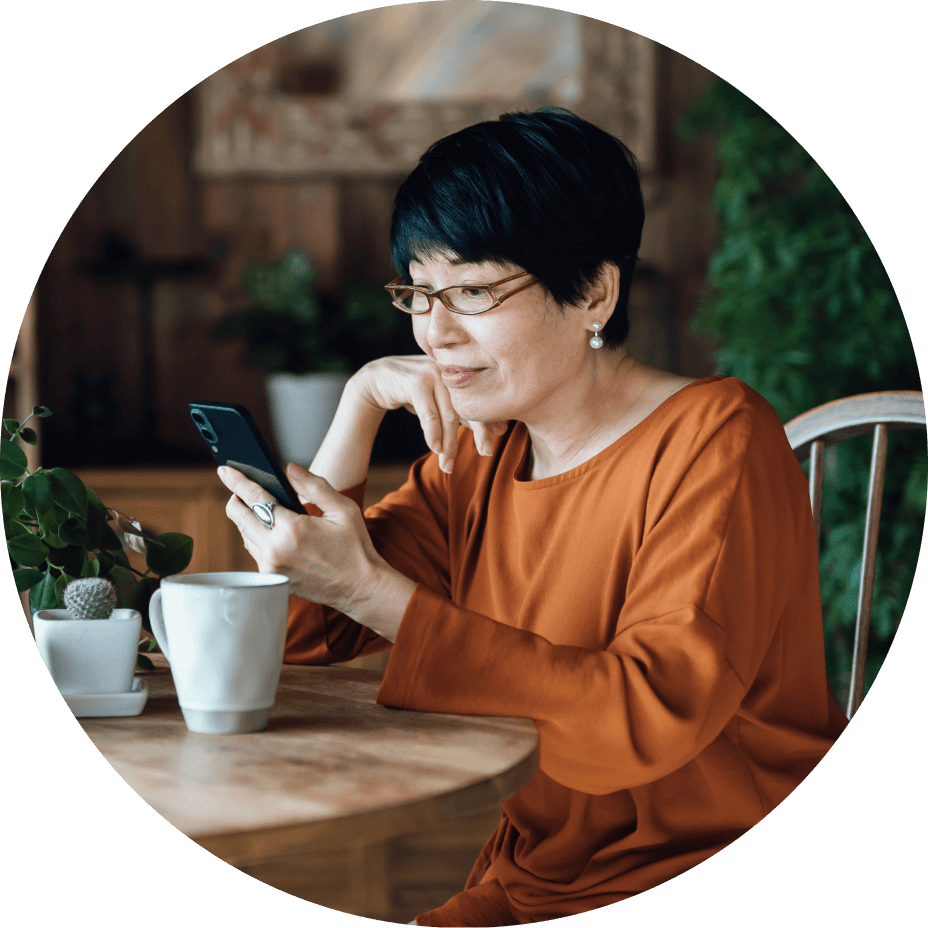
468	300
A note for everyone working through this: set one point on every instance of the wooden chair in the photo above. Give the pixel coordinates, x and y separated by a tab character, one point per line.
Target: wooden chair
828	425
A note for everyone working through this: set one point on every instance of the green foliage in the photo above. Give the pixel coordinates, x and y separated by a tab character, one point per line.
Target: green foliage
804	312
58	531
289	329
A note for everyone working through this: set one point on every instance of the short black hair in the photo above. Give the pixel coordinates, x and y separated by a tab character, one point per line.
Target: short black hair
547	191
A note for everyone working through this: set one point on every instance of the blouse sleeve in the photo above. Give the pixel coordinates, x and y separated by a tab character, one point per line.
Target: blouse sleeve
706	590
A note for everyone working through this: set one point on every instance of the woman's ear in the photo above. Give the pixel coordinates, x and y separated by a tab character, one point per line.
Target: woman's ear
604	294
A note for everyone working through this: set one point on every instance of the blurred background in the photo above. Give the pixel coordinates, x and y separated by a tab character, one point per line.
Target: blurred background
243	236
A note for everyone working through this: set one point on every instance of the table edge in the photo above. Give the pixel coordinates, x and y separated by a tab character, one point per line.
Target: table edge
242	847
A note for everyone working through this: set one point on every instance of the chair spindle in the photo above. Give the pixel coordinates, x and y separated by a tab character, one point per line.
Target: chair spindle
868	567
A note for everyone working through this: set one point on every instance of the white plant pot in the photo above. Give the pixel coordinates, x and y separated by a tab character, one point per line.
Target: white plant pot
89	656
302	409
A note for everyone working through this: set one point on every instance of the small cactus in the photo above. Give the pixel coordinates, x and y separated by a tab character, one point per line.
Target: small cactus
90	598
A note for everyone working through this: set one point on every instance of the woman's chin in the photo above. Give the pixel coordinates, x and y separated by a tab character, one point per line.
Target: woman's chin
474	405
480	412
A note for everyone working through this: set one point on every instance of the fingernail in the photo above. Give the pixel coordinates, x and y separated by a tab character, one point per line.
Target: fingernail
488	449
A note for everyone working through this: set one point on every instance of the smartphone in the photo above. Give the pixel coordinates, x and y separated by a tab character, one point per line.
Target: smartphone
235	439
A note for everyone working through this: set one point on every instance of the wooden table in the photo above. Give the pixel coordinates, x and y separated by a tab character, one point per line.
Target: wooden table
332	766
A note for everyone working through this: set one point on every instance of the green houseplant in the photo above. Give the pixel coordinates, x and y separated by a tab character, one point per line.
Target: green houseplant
803	311
58	530
307	345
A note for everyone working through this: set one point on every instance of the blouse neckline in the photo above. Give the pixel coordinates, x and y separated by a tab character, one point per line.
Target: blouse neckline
521	434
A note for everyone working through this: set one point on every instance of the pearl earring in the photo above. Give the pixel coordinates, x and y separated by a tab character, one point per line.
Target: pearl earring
596	341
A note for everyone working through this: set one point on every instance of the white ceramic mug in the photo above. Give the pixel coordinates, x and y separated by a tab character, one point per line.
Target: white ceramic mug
223	635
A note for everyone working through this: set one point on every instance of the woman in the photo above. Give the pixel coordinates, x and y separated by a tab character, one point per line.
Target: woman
620	554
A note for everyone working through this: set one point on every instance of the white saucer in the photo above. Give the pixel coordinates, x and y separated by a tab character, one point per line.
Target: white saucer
109	705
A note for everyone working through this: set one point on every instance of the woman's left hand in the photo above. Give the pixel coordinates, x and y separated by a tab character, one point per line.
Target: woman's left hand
329	559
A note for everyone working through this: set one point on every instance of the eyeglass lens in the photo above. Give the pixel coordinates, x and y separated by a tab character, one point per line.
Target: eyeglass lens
463	299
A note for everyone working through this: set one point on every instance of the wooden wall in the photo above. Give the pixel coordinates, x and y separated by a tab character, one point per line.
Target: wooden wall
151	198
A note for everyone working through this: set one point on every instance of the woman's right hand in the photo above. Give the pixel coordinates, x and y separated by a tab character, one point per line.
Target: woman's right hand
414	382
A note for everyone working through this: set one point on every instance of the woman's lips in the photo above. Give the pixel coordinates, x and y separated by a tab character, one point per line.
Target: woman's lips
458	376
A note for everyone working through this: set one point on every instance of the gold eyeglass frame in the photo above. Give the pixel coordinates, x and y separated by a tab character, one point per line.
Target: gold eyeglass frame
394	286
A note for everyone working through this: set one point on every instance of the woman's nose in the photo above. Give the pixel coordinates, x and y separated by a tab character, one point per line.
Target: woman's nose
444	328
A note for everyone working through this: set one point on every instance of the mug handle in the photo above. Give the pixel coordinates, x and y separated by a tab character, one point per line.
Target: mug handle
156	617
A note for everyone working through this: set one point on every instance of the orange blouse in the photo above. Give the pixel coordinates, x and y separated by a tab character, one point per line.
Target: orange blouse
656	613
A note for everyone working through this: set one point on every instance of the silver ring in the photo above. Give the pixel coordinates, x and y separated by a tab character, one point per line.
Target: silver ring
264	512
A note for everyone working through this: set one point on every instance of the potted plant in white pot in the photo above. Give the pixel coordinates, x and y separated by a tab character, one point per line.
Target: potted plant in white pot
307	345
59	531
90	646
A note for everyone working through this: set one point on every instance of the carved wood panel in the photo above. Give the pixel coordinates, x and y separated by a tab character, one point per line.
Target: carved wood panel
246	126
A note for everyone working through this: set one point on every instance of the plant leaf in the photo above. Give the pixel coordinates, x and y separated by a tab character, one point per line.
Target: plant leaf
94	534
109	540
14	529
133	537
44	497
49	524
42	595
29	436
41	412
11	425
74	532
126	583
143	663
169	553
13	499
96	511
28	550
39	492
73	496
12	460
26	579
